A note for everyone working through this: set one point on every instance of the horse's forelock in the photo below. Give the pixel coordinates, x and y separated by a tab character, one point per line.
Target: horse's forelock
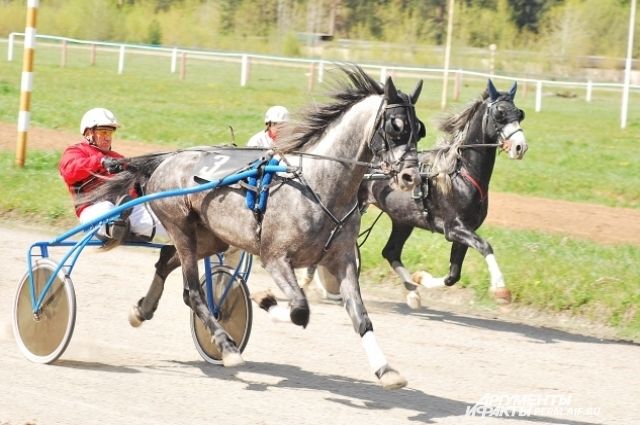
317	118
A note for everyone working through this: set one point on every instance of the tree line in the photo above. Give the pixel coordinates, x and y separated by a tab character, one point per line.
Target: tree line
558	29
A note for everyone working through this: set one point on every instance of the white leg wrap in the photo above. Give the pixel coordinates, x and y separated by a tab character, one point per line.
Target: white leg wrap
374	353
497	280
280	314
432	282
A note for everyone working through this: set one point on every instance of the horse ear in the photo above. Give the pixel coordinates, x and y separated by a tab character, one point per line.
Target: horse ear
513	90
390	91
416	92
493	92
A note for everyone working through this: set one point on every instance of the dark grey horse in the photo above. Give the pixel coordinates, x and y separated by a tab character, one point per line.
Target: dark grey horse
453	199
312	216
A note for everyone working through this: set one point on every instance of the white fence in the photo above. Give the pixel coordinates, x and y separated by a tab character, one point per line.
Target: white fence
315	66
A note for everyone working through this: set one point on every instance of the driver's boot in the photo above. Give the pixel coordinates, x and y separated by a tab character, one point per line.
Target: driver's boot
118	230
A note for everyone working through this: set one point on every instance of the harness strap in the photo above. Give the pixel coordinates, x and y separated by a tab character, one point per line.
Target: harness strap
367	232
465	174
338	222
338	228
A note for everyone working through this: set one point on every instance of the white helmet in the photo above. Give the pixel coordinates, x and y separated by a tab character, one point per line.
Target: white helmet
276	114
98	117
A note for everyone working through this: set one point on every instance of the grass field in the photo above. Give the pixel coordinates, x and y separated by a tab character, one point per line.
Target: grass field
577	153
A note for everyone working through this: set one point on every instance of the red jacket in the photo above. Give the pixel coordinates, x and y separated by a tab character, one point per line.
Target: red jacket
79	165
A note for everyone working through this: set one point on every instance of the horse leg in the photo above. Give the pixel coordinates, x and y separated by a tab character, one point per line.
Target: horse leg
147	305
392	252
350	291
308	277
498	289
462	237
187	248
284	276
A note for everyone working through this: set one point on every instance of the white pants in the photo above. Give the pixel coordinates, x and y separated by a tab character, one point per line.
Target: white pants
141	221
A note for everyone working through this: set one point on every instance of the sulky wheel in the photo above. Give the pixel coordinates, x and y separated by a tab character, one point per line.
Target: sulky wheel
235	313
44	335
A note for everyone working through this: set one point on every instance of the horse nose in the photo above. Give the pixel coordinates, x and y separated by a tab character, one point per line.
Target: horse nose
517	145
408	178
520	149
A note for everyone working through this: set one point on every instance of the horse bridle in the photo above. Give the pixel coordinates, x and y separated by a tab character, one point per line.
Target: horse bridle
386	136
497	129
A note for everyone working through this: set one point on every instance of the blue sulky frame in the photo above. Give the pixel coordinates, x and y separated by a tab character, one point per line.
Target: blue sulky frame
41	250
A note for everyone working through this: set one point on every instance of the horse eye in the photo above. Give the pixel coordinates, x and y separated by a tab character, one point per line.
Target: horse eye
520	115
397	124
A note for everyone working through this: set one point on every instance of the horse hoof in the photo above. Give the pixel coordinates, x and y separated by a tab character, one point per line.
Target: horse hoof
502	295
265	299
300	314
233	359
135	318
392	380
413	300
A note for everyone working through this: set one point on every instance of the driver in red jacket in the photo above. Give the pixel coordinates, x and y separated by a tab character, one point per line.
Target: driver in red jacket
83	167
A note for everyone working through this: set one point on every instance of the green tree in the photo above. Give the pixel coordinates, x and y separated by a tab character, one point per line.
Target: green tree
155	33
227	15
527	14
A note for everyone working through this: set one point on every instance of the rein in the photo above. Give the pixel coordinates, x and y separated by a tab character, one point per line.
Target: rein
333	158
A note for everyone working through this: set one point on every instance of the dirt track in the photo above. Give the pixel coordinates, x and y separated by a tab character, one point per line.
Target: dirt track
586	221
114	374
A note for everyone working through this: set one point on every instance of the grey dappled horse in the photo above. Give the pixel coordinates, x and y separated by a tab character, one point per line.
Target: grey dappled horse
455	194
312	216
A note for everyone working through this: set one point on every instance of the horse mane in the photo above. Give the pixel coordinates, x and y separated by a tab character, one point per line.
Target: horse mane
456	128
317	118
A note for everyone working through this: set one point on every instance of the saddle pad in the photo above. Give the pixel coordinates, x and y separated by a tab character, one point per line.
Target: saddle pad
219	163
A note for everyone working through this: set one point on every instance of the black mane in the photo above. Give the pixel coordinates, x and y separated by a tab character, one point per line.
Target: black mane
359	85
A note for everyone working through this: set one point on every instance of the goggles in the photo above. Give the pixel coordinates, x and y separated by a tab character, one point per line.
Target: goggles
103	131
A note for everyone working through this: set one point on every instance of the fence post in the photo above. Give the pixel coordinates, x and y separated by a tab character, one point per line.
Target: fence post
26	84
121	60
525	88
244	71
10	48
174	59
92	55
320	71
538	96
589	89
457	86
383	74
183	65
63	54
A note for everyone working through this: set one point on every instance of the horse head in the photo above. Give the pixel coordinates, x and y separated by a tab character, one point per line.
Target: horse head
396	134
502	121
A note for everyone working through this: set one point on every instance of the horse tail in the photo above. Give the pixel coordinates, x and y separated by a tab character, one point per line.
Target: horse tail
138	170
